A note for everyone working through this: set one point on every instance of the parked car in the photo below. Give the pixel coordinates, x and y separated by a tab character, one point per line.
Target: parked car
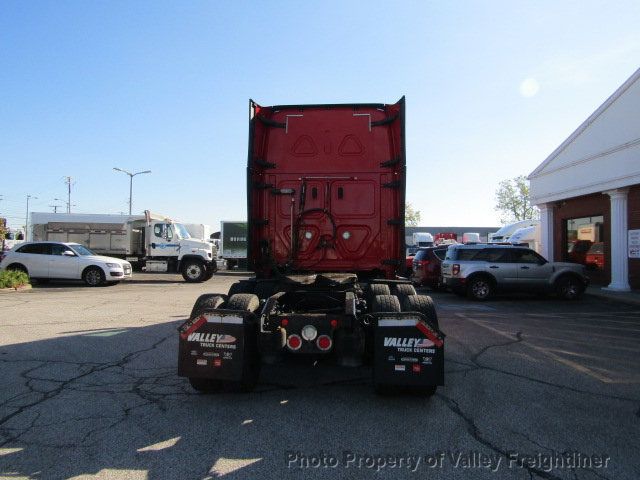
577	251
426	266
595	256
481	270
68	261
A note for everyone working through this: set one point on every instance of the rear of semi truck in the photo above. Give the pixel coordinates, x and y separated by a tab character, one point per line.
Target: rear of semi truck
326	194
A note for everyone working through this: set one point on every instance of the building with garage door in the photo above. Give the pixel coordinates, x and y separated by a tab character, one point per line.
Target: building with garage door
588	192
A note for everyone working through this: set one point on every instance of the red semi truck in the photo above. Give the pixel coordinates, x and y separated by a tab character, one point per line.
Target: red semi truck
326	196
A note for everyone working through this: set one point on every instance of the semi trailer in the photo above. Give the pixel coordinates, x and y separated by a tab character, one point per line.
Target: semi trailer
325	202
150	242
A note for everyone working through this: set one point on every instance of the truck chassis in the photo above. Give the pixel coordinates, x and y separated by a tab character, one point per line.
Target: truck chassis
327	316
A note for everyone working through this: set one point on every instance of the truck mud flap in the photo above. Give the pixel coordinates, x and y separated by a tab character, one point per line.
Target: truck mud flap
218	345
408	351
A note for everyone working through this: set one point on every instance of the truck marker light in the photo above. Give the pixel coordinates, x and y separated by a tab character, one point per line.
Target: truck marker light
455	269
416	368
284	322
308	235
334	323
324	342
346	235
309	333
217	362
294	342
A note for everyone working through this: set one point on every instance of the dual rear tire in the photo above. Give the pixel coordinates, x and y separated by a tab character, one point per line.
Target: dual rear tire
241	302
410	302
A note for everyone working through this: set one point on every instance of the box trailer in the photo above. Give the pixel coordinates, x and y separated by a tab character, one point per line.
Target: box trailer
325	198
233	245
151	242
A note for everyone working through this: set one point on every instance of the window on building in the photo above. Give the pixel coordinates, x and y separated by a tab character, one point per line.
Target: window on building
585	242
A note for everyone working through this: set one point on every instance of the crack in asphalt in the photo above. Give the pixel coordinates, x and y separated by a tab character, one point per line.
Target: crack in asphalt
63	385
563	452
473	430
518	339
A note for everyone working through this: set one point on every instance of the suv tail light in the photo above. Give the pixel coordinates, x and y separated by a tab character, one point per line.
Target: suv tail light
455	269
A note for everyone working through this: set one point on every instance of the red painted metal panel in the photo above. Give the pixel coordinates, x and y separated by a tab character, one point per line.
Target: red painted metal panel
334	175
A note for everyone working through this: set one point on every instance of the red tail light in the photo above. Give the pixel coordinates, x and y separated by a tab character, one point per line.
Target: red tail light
455	269
294	342
284	322
423	263
334	323
324	342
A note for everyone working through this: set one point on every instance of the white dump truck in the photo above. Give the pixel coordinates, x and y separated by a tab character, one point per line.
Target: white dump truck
199	231
153	243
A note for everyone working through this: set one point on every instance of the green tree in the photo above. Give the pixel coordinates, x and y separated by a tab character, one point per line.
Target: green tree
411	216
512	200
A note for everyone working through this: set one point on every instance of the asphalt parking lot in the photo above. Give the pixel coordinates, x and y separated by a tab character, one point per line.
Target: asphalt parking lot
89	390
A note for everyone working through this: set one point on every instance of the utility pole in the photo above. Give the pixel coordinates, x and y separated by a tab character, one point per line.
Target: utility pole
68	182
55	208
26	221
69	205
131	175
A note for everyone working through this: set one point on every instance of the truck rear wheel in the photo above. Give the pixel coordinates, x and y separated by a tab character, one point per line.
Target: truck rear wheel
403	290
247	302
379	289
243	286
422	304
194	271
385	303
208	300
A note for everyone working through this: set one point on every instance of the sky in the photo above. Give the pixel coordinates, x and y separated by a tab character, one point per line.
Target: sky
492	88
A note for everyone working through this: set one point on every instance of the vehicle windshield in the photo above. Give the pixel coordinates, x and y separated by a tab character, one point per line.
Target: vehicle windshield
181	232
82	251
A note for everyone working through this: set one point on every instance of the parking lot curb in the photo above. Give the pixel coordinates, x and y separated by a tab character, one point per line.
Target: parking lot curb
629	298
16	289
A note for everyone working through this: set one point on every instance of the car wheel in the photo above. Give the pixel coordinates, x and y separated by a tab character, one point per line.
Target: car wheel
480	288
93	276
17	267
194	271
569	288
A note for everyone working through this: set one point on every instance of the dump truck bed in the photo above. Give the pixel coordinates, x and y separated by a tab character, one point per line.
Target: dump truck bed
326	188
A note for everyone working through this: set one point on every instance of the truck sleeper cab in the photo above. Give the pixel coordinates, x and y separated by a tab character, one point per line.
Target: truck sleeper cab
325	193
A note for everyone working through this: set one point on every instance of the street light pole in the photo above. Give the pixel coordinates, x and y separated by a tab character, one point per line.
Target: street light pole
131	175
26	220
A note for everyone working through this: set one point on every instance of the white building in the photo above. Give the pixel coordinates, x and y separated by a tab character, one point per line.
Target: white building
588	192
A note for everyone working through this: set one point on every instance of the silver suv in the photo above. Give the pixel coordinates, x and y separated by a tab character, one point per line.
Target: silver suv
482	269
